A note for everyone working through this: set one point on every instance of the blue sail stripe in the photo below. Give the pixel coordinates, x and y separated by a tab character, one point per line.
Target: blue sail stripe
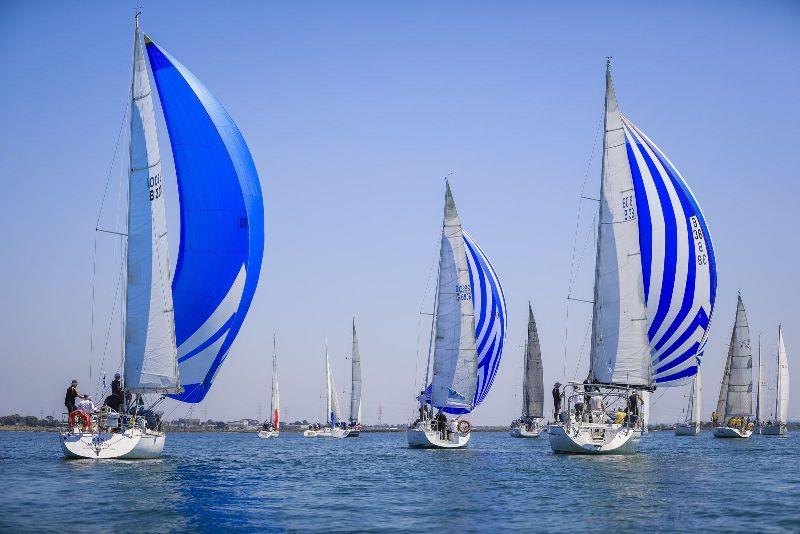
700	321
688	353
208	342
686	373
645	225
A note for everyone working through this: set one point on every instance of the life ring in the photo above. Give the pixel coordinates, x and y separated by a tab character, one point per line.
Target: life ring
86	421
464	426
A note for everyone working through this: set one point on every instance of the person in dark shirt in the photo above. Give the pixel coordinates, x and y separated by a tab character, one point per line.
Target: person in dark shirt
556	400
116	387
72	394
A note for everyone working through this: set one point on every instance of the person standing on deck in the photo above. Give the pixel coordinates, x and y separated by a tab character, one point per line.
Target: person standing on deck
72	394
556	400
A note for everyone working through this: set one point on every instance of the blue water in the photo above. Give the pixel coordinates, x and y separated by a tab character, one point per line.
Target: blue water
213	482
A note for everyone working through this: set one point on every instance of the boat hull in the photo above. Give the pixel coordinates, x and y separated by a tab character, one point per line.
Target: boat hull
352	433
682	429
584	439
421	438
310	433
728	432
264	434
518	432
133	444
773	430
327	433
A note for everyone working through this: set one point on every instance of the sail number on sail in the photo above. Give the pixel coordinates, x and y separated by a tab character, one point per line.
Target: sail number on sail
699	241
155	187
628	207
464	292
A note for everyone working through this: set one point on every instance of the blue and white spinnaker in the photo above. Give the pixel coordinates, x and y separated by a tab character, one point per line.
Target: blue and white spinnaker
222	223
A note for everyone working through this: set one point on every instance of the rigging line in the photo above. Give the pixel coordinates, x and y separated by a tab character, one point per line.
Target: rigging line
111	318
113	160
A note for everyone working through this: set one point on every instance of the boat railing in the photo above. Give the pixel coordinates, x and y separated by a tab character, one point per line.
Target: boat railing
107	420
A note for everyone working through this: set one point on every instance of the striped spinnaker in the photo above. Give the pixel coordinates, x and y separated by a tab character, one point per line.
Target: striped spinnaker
679	269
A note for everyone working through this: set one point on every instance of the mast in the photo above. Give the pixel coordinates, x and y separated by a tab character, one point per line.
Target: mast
698	391
782	394
274	408
328	404
355	379
525	381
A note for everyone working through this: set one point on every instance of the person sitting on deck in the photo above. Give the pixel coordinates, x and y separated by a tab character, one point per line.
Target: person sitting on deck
620	416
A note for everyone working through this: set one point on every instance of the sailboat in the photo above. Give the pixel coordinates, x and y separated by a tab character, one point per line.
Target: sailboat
691	423
654	291
529	424
778	427
176	338
334	426
354	425
271	427
735	403
467	336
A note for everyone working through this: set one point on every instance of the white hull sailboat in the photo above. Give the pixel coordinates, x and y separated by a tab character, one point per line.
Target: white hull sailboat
333	428
271	427
458	343
529	424
184	325
735	402
691	425
654	293
778	427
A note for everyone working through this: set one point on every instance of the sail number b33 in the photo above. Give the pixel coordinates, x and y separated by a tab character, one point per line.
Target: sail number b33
155	187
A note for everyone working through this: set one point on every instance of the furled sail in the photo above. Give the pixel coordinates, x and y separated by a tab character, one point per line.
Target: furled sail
222	223
739	395
355	382
455	359
783	381
533	377
655	274
150	353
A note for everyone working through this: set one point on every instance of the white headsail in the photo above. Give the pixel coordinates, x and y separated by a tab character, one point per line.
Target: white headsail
782	401
150	354
533	374
620	350
455	358
355	382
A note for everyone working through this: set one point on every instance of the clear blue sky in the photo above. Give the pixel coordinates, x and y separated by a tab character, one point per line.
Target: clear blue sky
354	112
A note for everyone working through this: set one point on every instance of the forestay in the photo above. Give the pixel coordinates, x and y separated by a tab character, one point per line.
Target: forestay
533	377
655	279
222	223
150	352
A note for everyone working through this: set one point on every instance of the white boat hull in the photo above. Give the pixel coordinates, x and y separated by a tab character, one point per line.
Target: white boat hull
264	434
132	444
683	429
593	439
327	433
420	437
773	430
728	432
521	432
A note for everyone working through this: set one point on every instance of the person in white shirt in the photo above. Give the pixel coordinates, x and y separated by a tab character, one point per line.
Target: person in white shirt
86	405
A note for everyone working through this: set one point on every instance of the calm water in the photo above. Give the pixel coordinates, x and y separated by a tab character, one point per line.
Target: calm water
237	481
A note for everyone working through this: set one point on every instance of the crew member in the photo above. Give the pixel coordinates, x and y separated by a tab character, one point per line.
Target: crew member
72	394
556	400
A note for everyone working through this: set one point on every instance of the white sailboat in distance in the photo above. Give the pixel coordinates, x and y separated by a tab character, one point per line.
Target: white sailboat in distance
354	425
654	292
334	427
184	325
778	426
529	424
271	426
735	404
467	335
690	426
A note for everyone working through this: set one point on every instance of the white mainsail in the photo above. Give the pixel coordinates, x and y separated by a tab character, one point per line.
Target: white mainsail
620	352
275	401
782	400
739	369
693	409
533	374
355	381
455	360
151	363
